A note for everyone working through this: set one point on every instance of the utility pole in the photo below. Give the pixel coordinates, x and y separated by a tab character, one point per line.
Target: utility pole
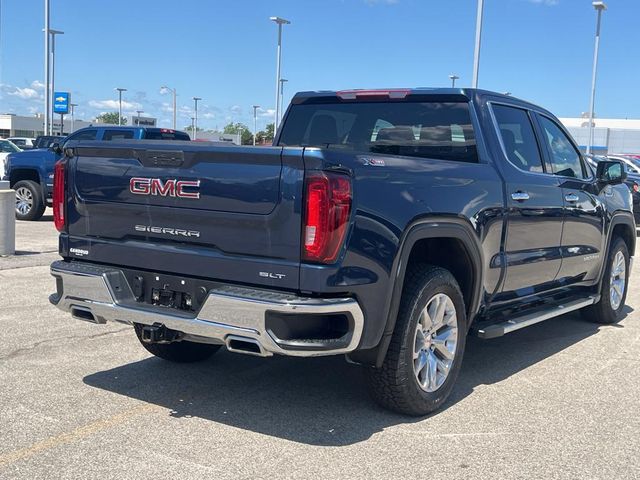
476	54
195	128
73	106
280	22
47	58
255	123
600	7
120	90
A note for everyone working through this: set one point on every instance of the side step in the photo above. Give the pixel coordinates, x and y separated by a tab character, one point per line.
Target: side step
499	329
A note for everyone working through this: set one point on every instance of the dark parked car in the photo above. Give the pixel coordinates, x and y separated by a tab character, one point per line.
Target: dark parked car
383	224
31	173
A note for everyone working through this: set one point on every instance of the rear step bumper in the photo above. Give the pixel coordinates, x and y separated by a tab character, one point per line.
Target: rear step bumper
230	315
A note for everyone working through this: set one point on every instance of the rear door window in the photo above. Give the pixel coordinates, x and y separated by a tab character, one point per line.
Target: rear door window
518	138
90	134
438	130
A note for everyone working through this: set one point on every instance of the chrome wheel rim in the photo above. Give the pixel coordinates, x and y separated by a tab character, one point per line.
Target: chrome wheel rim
617	281
24	200
435	342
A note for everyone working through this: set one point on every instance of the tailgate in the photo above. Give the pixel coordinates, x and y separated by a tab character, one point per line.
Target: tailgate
227	213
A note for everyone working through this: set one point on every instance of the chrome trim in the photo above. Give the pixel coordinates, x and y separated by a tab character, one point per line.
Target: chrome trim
520	196
571	198
227	311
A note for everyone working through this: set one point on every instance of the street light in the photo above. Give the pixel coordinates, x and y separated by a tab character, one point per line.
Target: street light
239	134
73	116
282	82
47	59
172	90
280	22
138	112
476	53
50	72
453	78
255	123
193	122
195	131
120	90
599	6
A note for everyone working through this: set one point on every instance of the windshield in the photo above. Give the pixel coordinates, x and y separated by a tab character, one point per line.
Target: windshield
7	147
439	130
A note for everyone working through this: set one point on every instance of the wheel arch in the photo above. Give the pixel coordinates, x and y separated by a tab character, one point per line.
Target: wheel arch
448	243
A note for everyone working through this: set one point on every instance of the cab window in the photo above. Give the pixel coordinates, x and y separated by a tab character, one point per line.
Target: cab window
84	135
564	158
518	138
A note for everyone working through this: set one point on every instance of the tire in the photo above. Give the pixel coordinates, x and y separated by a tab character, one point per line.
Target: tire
29	200
609	309
396	385
178	352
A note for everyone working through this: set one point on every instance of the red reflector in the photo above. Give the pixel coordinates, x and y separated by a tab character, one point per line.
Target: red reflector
167	130
326	216
356	94
58	196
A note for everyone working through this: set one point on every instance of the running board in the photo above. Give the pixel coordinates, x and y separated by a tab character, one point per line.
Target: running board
502	328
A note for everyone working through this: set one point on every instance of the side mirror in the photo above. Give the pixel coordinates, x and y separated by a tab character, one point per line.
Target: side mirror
56	148
610	172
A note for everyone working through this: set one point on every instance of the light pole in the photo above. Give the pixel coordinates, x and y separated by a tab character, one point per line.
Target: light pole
73	115
453	78
195	128
239	134
138	112
476	53
280	22
255	123
50	83
120	90
47	59
193	123
599	6
172	90
282	82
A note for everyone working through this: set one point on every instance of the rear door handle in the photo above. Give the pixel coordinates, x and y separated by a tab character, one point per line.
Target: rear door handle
520	196
571	197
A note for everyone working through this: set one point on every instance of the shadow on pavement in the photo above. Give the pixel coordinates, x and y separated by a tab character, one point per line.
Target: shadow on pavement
319	401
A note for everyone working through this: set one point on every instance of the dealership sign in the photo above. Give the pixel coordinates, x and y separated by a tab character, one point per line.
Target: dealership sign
61	102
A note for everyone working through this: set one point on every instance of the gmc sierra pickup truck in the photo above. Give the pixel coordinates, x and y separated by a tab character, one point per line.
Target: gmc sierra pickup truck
386	225
30	173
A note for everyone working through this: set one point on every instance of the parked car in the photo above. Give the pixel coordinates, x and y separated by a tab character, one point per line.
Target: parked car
383	224
632	181
45	141
25	143
6	147
30	173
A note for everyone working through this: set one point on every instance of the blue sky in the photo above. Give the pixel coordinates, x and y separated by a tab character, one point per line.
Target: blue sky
224	51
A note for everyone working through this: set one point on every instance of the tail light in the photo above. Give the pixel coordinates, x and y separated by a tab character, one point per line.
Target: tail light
58	196
326	215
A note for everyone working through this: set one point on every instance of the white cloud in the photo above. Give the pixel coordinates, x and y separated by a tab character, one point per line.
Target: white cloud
549	3
237	109
24	93
114	105
266	113
37	85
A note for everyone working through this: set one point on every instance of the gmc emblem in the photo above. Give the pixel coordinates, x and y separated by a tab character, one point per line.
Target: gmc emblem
168	188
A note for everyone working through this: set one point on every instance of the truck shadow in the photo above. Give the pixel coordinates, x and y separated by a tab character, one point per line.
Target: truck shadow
319	401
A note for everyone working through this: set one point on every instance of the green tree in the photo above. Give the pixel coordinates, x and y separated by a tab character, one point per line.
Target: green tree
266	135
269	132
233	129
111	118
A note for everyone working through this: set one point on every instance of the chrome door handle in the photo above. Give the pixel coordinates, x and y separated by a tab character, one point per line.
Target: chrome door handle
571	197
520	196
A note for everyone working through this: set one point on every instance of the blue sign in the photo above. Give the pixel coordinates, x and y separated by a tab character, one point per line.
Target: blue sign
61	102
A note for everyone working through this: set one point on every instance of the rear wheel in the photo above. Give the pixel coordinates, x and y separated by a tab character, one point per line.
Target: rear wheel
29	200
425	354
613	291
179	352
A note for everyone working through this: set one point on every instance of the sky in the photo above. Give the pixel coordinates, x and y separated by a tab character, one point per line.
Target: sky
225	52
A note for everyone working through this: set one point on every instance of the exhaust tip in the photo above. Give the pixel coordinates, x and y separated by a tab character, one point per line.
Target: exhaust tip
82	313
248	346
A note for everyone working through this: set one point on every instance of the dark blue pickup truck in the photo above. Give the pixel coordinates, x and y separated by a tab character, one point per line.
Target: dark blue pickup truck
30	172
386	225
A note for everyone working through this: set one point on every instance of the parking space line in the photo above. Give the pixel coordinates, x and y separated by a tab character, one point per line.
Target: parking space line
74	435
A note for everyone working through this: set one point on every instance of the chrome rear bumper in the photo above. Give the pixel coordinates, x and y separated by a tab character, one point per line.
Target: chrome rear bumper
230	315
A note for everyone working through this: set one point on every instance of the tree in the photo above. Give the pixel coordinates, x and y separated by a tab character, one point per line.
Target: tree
111	118
234	128
266	135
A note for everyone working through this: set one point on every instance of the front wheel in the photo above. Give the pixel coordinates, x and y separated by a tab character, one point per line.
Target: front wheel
29	200
613	291
426	349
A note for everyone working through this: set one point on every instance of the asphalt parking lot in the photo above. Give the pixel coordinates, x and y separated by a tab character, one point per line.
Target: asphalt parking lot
558	400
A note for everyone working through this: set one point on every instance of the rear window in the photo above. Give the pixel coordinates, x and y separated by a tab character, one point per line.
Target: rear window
109	135
166	134
439	130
